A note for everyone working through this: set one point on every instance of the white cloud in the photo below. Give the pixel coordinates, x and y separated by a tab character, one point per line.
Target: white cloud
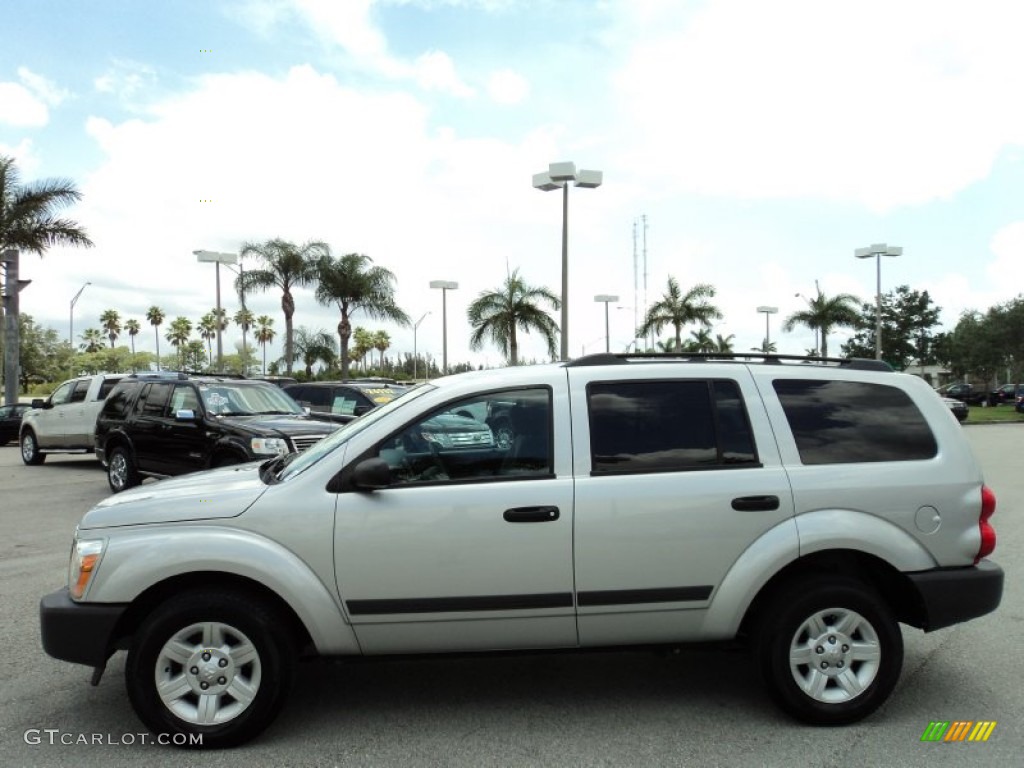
43	88
126	80
506	86
880	103
435	71
19	107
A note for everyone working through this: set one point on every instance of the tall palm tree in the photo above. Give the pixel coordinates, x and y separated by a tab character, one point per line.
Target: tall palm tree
824	313
132	327
498	316
381	342
155	316
363	344
264	335
207	328
28	212
677	309
177	334
353	284
244	319
111	322
92	340
313	347
285	266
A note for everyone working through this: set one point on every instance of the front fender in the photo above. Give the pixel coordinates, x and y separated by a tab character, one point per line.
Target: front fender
133	563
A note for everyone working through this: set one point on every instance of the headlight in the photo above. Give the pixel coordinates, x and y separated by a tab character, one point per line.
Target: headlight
443	440
270	446
85	559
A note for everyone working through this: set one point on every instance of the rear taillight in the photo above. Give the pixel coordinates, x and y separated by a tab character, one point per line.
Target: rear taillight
988	533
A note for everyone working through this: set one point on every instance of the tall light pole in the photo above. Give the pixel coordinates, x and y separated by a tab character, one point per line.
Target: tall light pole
768	312
218	259
415	358
558	176
445	286
878	250
606	299
71	321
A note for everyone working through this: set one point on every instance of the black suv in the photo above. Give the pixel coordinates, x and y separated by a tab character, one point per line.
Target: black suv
159	425
343	401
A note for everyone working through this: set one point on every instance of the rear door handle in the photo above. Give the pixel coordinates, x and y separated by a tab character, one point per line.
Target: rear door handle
531	515
755	503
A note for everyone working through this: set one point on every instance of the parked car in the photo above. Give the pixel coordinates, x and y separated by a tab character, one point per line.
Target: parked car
281	381
65	422
160	425
643	501
965	393
1007	393
343	401
958	407
10	421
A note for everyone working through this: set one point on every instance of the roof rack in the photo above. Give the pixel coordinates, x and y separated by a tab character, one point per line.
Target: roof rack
770	358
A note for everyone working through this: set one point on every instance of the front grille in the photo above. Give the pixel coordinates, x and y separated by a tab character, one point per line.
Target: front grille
302	442
465	439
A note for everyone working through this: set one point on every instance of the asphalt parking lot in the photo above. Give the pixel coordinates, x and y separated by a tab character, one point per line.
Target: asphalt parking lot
698	708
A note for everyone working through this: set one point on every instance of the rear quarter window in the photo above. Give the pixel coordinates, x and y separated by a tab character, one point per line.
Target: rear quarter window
839	422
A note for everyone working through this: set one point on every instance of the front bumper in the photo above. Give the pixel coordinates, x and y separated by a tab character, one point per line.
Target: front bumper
82	633
952	595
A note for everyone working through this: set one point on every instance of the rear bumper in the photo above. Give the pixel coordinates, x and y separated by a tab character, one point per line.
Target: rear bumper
82	633
952	595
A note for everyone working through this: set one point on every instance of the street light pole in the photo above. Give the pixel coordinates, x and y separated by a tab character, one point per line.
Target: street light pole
606	299
218	259
445	286
557	176
415	358
878	250
768	312
71	320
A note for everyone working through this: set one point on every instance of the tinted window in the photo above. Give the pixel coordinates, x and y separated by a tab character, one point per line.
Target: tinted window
79	392
660	426
184	398
105	386
117	403
154	399
836	422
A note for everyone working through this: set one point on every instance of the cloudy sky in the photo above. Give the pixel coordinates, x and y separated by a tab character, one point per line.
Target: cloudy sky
761	144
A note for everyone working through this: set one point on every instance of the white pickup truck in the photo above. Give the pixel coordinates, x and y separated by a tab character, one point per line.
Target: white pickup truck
65	422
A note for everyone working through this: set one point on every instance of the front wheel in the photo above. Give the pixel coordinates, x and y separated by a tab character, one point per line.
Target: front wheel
121	471
830	653
210	668
30	453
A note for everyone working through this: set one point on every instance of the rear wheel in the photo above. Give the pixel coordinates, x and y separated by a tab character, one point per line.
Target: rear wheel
121	471
30	453
210	664
830	653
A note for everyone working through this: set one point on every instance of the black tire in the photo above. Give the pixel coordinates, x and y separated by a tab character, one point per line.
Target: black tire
122	473
217	626
850	640
30	453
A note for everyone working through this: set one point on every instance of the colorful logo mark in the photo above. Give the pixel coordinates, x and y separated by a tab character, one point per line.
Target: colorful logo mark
958	730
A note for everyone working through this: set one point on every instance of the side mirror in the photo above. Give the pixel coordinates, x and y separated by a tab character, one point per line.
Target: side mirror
185	414
372	475
38	402
361	409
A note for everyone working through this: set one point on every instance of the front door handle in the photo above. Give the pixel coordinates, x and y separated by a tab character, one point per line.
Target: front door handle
531	515
755	503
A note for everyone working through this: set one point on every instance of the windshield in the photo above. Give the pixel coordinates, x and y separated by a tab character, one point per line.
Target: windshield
237	399
298	463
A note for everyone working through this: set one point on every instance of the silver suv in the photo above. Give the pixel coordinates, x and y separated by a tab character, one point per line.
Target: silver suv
803	508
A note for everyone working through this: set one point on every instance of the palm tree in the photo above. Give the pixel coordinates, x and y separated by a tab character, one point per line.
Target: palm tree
28	219
381	342
351	283
244	319
767	347
264	335
208	331
177	334
723	344
92	340
314	346
363	344
678	309
701	341
155	316
285	266
498	315
132	327
824	313
111	322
